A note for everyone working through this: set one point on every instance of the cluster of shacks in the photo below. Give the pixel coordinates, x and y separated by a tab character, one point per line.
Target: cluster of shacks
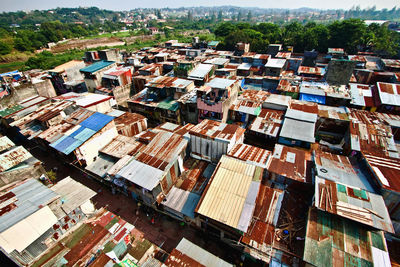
289	158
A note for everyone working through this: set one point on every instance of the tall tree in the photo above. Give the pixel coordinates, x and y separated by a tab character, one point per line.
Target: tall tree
249	16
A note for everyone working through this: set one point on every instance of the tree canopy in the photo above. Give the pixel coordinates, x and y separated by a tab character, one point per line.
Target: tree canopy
352	34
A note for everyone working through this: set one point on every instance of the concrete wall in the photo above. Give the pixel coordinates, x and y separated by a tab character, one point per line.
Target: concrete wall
90	149
45	88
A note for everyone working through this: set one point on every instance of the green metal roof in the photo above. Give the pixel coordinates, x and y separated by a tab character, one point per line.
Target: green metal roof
213	43
11	110
169	104
96	66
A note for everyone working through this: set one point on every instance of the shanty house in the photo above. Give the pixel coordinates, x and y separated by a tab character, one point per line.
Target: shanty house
209	140
93	73
215	98
155	169
237	183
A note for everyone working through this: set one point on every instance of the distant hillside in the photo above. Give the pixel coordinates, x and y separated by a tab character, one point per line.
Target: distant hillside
65	15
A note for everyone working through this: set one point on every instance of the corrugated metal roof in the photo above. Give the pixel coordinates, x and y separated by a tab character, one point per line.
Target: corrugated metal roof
113	170
182	201
10	110
189	254
353	203
220	83
340	169
101	165
20	235
97	66
250	154
290	162
13	157
268	122
73	194
298	130
275	63
334	241
163	150
68	65
389	93
97	121
266	214
385	170
24	199
121	146
236	183
200	71
216	130
5	143
141	174
301	116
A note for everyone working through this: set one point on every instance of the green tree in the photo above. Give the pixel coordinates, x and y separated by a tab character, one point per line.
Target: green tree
220	15
249	16
5	48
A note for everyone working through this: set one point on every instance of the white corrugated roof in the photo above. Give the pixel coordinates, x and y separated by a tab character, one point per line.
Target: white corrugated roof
141	174
200	255
21	235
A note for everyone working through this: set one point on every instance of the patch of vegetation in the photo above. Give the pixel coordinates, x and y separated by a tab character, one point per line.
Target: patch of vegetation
73	239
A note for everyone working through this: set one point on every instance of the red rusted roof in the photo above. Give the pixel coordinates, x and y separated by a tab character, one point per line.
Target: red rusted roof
310	70
304	106
216	130
250	154
386	171
290	162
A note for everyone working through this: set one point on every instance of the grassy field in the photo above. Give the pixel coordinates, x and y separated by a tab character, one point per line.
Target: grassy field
117	34
6	67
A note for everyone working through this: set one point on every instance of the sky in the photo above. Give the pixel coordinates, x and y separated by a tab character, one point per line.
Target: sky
14	5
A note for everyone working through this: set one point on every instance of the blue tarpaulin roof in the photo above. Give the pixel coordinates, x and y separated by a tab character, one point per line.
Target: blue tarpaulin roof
96	66
96	121
190	205
313	98
89	127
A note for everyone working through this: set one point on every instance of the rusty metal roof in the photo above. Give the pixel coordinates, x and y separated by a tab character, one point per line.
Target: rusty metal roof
237	184
305	106
268	122
385	169
334	241
174	128
247	106
130	124
361	95
43	113
262	228
336	113
283	55
5	143
250	154
311	70
353	203
162	150
391	63
288	85
290	162
254	95
169	82
216	130
121	146
55	132
13	157
371	134
389	93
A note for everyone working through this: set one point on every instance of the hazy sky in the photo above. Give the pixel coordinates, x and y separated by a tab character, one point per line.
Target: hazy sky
13	5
